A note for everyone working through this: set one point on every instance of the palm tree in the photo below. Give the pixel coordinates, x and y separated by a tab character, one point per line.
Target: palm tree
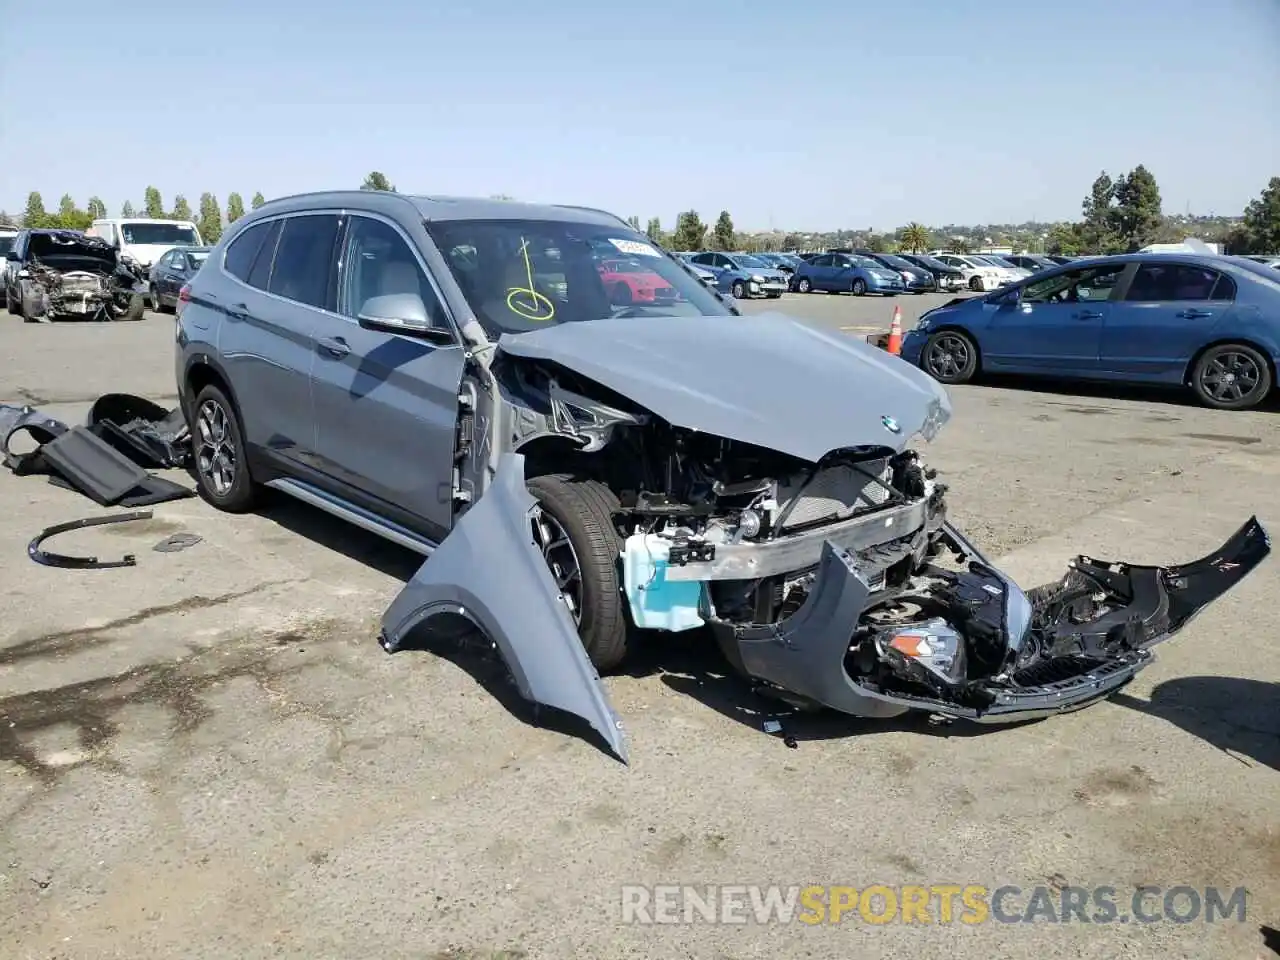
914	237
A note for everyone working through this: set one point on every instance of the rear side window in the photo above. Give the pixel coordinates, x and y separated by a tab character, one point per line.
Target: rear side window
1155	282
239	257
304	259
1224	289
261	271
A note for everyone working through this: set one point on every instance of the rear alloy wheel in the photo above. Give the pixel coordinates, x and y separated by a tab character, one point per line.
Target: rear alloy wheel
804	286
1231	376
222	468
574	529
859	287
975	284
739	290
950	357
156	304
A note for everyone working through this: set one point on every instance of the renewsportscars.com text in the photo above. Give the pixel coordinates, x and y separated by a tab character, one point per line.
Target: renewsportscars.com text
968	904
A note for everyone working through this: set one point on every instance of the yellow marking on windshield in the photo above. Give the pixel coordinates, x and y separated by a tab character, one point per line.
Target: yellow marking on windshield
527	302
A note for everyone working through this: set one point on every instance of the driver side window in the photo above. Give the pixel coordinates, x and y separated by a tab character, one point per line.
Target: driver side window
1075	286
377	262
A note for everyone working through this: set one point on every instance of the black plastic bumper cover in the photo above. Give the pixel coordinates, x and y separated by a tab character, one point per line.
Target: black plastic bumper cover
805	654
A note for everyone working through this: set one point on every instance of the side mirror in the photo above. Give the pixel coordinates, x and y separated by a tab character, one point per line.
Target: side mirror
402	313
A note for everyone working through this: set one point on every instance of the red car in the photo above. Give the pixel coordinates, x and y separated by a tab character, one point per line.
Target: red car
630	282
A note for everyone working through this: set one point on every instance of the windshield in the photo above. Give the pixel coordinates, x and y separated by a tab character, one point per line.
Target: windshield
866	263
522	275
897	262
174	234
998	261
743	260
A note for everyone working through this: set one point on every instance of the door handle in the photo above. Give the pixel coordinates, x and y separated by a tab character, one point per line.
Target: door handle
238	311
1088	315
1195	314
335	346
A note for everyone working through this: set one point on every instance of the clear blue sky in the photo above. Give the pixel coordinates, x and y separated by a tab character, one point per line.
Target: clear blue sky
864	114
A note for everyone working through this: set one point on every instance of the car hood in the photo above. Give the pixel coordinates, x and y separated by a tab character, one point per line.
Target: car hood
765	379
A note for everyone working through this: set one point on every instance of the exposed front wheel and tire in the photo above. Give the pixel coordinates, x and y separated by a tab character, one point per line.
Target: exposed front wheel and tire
975	284
739	290
859	287
950	357
1231	376
221	464
137	306
574	529
804	286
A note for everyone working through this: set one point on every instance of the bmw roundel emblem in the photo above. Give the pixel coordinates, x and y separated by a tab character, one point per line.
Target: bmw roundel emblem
891	424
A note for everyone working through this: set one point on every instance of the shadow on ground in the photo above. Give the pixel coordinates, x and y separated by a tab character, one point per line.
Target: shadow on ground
1173	397
1240	717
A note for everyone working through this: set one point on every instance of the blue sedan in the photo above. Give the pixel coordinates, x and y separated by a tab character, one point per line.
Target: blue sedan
1204	322
846	273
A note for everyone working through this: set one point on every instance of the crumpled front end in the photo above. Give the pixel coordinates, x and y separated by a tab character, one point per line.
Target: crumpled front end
962	640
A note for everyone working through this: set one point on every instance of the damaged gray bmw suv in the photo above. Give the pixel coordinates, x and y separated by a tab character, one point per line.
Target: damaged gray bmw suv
579	466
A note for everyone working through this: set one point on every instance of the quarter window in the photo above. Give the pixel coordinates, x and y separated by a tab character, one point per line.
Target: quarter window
304	258
239	257
261	272
378	262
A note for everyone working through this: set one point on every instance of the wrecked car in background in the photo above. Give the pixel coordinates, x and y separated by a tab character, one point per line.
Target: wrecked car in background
578	471
51	274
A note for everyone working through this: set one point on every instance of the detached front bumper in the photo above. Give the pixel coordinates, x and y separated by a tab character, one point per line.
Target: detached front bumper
1050	667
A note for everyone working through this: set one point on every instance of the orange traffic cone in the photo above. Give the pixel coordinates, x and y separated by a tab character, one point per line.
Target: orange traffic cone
894	345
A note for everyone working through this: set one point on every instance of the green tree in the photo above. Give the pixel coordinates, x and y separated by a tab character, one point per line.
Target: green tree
257	201
127	209
1137	214
959	244
69	217
690	231
377	181
235	208
1064	239
97	209
1098	229
35	215
152	204
722	232
878	243
210	224
791	242
914	237
635	223
1262	219
653	229
181	209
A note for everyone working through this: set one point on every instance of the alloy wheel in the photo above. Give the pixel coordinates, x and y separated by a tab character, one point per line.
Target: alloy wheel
948	356
215	449
561	559
1230	377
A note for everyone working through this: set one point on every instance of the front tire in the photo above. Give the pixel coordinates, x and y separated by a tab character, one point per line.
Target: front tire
137	306
804	286
575	531
859	287
221	463
950	357
1231	376
739	290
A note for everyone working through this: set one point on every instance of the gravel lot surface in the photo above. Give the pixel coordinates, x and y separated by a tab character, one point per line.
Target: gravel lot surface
207	755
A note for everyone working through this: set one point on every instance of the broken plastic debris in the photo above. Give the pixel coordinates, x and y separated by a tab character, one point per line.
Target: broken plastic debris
772	726
179	541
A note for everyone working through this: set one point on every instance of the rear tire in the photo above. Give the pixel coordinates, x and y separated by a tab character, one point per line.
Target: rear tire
1249	372
584	511
221	462
976	284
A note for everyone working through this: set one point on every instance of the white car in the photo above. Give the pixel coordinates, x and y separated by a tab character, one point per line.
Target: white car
978	274
1011	270
145	241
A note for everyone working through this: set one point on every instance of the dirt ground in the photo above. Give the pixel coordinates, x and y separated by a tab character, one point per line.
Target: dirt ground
207	755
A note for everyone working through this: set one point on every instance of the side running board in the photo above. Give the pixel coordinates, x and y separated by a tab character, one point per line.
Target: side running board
360	517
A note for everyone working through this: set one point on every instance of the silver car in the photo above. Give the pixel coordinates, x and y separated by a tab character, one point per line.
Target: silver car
452	375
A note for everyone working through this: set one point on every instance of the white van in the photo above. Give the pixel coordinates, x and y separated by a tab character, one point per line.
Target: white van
145	241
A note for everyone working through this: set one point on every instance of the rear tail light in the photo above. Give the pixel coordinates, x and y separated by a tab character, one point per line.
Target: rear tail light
184	297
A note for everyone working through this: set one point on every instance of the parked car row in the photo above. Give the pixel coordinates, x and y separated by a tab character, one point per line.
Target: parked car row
743	275
1206	322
